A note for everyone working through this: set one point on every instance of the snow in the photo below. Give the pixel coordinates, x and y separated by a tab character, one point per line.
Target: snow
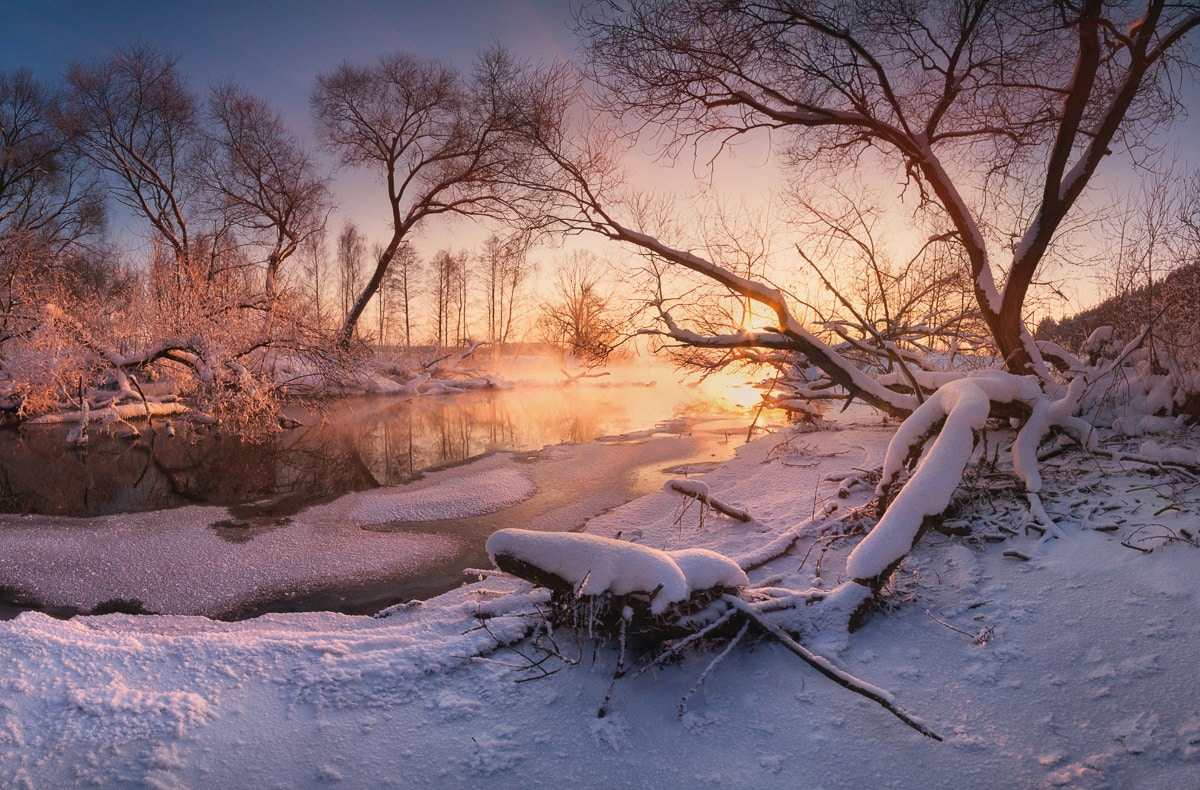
475	496
963	405
697	489
706	569
1178	455
594	565
123	411
1086	679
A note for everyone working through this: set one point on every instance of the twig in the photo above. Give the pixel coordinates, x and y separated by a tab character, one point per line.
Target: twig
682	708
678	647
617	674
145	404
980	638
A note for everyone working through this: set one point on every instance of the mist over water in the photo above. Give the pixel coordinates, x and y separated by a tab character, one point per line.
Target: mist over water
346	446
283	537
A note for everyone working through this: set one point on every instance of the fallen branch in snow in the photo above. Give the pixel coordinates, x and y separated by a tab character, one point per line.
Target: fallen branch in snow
622	588
1191	469
682	707
978	639
700	492
449	362
1144	534
826	668
122	412
543	643
569	380
849	523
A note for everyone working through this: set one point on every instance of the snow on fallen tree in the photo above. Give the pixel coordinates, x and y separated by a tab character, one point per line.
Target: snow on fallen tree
691	592
963	407
953	415
698	490
592	565
116	412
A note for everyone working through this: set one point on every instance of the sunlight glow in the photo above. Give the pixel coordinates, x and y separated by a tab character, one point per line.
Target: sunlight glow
732	390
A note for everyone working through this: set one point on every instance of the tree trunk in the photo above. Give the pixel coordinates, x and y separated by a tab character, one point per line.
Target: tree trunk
360	304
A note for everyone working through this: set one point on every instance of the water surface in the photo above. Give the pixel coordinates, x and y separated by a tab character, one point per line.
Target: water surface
351	446
272	526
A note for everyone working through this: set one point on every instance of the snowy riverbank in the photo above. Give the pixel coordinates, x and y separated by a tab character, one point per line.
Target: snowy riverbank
1082	673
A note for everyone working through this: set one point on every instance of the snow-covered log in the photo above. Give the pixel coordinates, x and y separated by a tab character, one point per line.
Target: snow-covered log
699	491
963	406
961	409
121	412
592	565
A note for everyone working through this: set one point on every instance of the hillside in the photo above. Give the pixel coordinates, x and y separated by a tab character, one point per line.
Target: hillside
1171	306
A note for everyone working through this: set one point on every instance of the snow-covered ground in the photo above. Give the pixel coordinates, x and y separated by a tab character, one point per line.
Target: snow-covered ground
1073	667
382	544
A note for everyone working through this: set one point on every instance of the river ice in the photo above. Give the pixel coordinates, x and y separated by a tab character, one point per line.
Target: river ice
204	561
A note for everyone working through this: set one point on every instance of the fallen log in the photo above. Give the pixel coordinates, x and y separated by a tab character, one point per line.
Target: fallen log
700	492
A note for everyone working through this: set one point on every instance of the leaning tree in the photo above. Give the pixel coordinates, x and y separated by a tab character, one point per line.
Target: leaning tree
996	116
441	143
965	100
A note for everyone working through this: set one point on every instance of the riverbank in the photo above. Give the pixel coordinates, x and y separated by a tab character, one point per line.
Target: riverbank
357	554
1069	668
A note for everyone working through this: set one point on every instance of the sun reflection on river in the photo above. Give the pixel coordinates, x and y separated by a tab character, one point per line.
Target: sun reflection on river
356	445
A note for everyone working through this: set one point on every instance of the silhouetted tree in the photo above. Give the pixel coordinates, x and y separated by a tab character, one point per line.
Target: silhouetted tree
442	143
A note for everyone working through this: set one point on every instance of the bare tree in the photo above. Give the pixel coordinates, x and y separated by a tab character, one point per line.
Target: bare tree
395	290
446	276
963	99
994	117
48	203
222	203
1153	267
406	269
351	250
135	118
44	194
505	266
461	299
313	254
260	179
580	317
441	143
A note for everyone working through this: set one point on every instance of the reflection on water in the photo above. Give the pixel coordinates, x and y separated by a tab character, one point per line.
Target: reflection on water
353	446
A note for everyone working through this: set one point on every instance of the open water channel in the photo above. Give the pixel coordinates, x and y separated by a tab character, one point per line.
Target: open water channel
361	506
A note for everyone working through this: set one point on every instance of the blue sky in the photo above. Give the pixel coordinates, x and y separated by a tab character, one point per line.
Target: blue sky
276	49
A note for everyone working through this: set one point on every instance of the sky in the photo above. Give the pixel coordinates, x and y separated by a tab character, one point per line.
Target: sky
275	49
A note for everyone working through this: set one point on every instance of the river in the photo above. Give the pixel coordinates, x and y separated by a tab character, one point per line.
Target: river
358	507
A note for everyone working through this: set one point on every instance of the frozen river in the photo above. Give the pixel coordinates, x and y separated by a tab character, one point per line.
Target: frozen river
356	509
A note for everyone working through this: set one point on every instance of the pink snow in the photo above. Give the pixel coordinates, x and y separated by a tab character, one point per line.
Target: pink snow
460	497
